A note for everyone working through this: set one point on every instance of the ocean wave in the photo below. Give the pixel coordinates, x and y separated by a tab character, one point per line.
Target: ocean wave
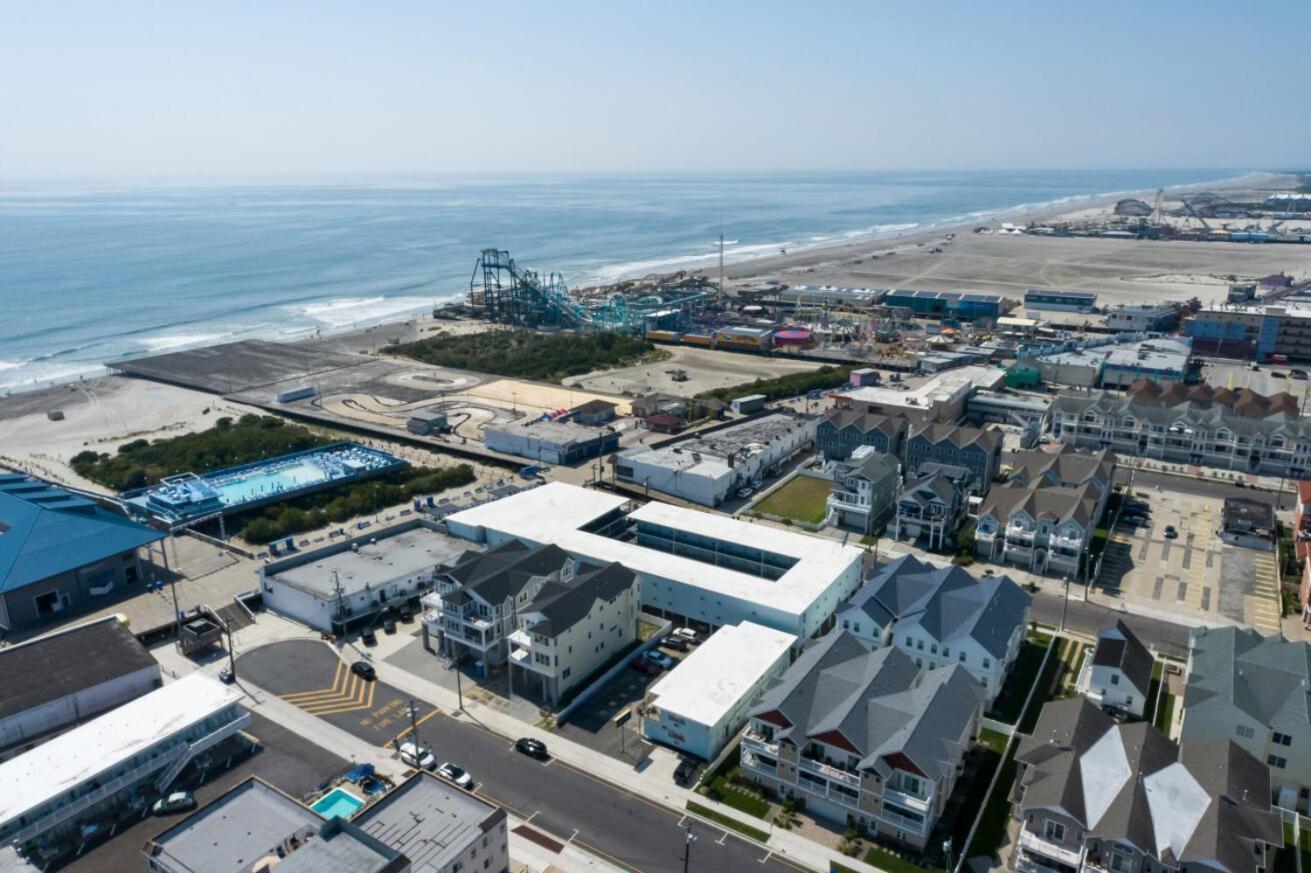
345	311
172	342
36	375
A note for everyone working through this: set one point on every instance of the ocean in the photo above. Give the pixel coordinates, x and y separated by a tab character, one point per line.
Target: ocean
90	275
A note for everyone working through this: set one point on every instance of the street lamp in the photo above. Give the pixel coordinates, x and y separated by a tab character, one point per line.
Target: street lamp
687	846
1065	600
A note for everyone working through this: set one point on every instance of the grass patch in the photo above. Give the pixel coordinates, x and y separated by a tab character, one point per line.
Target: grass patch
1045	682
526	354
227	444
1153	690
791	385
993	740
732	824
996	813
724	784
1165	716
803	498
1010	700
886	859
336	505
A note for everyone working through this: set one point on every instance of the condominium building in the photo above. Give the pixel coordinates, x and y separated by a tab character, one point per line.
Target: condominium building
1236	429
1256	331
931	504
976	449
1095	796
536	608
1117	672
842	431
861	736
1252	689
942	617
864	490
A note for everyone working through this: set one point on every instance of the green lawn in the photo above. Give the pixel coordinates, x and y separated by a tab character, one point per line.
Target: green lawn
801	499
993	740
726	787
996	814
1149	710
1046	681
728	822
1166	713
1023	672
886	859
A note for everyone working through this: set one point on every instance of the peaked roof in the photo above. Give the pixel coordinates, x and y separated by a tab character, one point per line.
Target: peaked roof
1129	783
961	436
874	703
1241	411
1068	466
1265	677
865	422
946	602
1119	647
45	531
506	570
1053	502
564	602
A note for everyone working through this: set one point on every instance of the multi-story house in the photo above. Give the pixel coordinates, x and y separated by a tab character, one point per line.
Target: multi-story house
572	627
942	617
842	431
976	449
861	736
1044	518
552	617
931	505
864	490
1094	796
1117	672
1252	689
1235	429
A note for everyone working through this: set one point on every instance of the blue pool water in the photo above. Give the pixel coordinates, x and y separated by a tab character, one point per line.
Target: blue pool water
259	484
337	803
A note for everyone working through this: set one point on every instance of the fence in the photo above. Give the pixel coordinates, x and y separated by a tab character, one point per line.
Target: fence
586	694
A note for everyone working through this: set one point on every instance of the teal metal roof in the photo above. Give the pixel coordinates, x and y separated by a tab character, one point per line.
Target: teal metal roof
45	530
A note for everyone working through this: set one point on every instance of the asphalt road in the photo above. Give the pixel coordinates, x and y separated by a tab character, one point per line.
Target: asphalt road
568	803
1147	481
1166	637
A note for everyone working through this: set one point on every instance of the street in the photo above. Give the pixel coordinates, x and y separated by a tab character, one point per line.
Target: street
1166	637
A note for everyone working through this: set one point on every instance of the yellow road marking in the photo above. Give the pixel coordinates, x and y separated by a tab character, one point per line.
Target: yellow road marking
332	689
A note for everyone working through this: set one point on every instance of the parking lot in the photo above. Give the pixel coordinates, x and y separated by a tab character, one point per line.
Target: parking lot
1193	576
592	724
309	674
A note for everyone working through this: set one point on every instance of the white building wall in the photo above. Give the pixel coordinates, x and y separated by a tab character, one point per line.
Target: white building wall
1108	686
316	610
706	488
67	711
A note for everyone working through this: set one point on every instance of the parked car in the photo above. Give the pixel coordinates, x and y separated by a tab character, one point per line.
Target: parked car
1171	532
677	643
660	659
415	756
745	491
532	748
1297	374
406	614
644	666
685	770
454	774
369	638
1135	520
687	634
178	801
389	625
364	670
226	676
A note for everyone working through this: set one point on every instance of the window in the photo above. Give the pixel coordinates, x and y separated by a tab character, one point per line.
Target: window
946	652
1054	830
919	644
987	663
962	657
1121	862
1283	739
1244	731
933	649
1276	761
1115	678
909	641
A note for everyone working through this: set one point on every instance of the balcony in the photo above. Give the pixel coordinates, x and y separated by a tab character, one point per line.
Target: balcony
753	740
910	801
901	821
1049	850
829	772
753	761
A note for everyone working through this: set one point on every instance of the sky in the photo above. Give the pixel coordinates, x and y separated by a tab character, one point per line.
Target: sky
178	89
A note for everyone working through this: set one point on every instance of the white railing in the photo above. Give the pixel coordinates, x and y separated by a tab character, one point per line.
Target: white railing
901	798
902	821
751	739
829	772
1035	843
208	741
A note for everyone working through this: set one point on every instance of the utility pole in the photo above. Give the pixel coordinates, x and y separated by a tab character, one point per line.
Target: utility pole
946	850
232	652
1065	600
414	730
687	846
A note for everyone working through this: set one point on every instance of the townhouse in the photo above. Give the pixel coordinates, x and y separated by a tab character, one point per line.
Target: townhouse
942	617
861	736
864	490
976	449
931	505
1093	795
1117	672
842	431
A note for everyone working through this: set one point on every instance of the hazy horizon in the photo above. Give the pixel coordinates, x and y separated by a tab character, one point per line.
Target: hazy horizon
303	91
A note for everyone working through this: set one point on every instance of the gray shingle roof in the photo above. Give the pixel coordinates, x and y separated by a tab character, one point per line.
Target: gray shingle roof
1119	647
506	570
564	602
1265	677
947	602
1129	783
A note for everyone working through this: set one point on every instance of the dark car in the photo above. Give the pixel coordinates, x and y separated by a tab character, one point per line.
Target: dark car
364	670
644	666
677	643
685	770
369	638
389	625
406	614
532	748
226	676
1171	532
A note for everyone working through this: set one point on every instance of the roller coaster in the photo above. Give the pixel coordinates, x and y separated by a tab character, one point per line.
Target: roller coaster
502	291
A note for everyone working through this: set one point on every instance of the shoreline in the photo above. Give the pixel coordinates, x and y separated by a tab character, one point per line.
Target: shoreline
754	266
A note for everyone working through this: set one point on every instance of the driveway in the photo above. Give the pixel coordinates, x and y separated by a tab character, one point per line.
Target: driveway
309	674
592	724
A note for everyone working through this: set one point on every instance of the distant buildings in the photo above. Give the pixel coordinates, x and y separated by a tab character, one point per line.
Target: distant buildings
864	490
976	449
1093	795
1253	690
1143	317
842	431
953	304
1256	331
116	763
61	553
345	585
1060	301
1190	424
1117	672
941	399
426	422
702	703
555	442
1112	364
61	679
1044	518
693	566
709	467
942	617
536	609
863	737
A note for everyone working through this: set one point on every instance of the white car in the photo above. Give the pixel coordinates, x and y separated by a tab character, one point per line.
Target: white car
417	757
687	634
451	773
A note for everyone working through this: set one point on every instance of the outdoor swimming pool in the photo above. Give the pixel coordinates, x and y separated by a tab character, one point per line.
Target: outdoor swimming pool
337	803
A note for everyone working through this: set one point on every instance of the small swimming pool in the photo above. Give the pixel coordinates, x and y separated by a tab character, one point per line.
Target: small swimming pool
337	803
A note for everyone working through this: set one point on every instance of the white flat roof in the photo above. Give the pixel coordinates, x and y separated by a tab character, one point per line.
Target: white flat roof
944	386
375	563
70	759
553	513
710	681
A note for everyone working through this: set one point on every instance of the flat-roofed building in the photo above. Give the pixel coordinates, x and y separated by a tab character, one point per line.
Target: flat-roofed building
700	705
942	398
345	584
244	828
66	677
1132	318
128	755
438	827
555	442
1061	301
692	565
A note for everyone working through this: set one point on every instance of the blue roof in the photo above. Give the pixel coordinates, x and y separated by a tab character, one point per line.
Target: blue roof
45	530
